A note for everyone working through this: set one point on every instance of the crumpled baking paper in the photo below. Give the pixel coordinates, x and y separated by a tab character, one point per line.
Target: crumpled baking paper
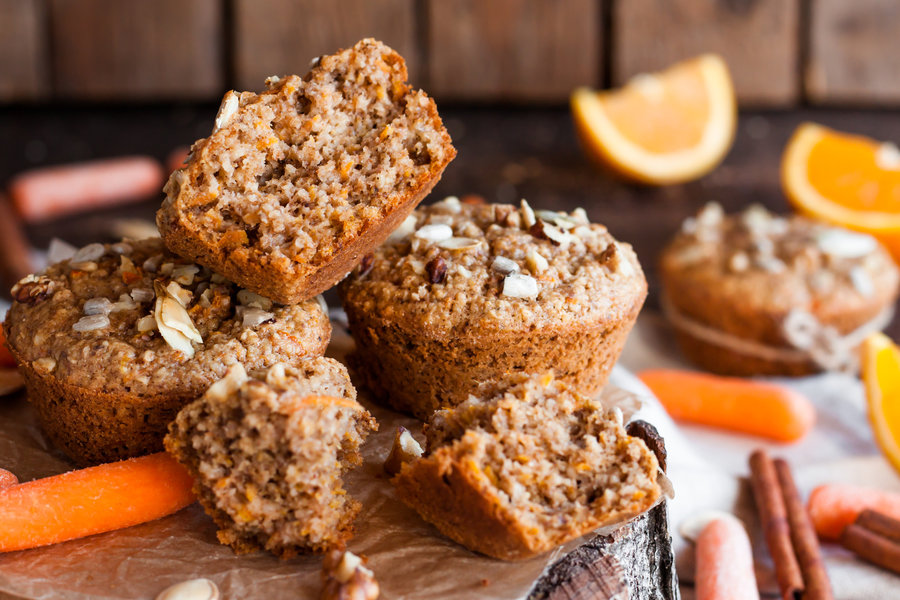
410	558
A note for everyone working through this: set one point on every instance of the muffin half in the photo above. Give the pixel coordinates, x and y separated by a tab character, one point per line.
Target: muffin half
519	473
462	296
297	183
114	341
267	453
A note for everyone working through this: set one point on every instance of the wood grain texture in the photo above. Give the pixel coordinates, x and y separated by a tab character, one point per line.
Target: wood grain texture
519	50
281	37
854	54
758	39
23	57
135	49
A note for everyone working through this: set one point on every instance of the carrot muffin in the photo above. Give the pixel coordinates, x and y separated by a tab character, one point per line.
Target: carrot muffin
297	183
462	295
267	453
114	341
538	465
760	294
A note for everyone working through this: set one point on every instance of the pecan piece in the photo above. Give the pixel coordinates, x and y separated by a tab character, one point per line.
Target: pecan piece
32	289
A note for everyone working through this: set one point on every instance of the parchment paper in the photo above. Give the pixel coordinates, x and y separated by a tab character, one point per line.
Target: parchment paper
410	558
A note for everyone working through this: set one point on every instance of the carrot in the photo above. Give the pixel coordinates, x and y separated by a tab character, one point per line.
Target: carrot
44	194
6	357
753	407
93	500
725	563
175	159
7	479
833	507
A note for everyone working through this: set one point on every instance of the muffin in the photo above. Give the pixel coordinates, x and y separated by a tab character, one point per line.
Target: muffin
759	294
463	295
517	474
114	341
267	453
297	183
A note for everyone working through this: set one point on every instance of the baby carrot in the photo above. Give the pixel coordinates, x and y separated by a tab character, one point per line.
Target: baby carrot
725	563
7	478
93	500
834	506
744	405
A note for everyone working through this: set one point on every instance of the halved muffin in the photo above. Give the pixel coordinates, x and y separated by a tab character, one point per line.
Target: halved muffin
521	472
267	453
463	295
297	183
114	341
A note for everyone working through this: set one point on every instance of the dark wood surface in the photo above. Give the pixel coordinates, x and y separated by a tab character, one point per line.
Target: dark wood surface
504	154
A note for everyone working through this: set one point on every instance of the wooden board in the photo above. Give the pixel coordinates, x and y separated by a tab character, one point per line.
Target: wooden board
518	50
758	38
854	52
118	49
23	58
304	29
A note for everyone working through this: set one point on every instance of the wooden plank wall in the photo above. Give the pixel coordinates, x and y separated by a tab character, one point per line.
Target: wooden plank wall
781	52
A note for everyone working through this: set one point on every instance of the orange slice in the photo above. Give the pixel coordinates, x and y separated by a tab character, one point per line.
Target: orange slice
849	180
661	128
881	375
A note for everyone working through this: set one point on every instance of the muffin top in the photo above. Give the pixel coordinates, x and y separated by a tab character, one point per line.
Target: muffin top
133	317
455	268
777	264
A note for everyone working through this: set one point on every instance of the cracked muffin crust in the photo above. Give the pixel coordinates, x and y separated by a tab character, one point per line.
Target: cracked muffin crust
760	294
530	468
115	340
267	453
297	183
463	295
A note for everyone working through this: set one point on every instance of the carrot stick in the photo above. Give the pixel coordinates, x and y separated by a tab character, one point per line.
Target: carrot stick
833	507
44	194
725	563
743	405
7	479
6	357
92	500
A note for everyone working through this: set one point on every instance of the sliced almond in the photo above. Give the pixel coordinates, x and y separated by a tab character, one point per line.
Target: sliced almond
59	251
405	449
536	262
253	317
142	295
227	109
232	382
253	300
174	323
91	323
458	243
450	203
841	243
89	253
145	324
97	306
527	214
434	233
516	285
401	233
180	294
504	265
184	274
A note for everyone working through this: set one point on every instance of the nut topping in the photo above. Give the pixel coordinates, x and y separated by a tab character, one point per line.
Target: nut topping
346	578
32	289
402	232
91	322
232	382
405	449
504	265
516	285
253	317
437	270
527	214
89	253
253	300
45	364
458	243
434	233
536	261
174	322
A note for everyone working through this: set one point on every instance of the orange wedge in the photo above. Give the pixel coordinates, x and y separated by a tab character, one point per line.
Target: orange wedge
661	128
849	180
881	376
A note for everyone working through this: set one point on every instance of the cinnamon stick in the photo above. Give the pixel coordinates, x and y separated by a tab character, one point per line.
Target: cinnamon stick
870	546
774	520
15	253
803	537
879	523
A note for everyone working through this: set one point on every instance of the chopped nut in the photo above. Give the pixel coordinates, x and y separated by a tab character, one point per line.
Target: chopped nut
614	259
227	109
322	304
89	253
739	262
97	306
276	376
184	274
437	270
450	203
434	233
405	449
145	324
536	262
346	578
579	215
166	268
91	322
234	378
253	317
840	243
544	231
122	248
152	264
504	265
87	266
45	364
142	295
180	294
527	214
125	303
402	232
458	243
516	285
193	589
59	251
174	322
253	300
